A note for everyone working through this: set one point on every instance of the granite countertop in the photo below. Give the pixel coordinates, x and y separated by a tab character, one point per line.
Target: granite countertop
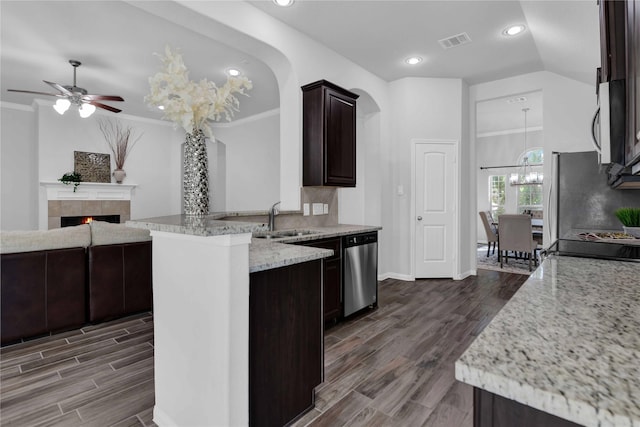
199	226
567	343
265	254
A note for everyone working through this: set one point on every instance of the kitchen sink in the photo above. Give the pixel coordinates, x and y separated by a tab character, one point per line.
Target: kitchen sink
283	233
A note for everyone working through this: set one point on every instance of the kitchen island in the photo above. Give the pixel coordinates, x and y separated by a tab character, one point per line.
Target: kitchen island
201	270
237	320
565	349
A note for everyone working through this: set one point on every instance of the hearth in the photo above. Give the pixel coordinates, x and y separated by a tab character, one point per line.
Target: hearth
68	221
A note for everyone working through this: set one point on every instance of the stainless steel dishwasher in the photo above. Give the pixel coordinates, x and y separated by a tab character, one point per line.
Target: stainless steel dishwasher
360	262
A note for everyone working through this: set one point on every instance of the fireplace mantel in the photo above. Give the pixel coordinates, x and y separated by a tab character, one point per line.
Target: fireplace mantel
88	191
89	199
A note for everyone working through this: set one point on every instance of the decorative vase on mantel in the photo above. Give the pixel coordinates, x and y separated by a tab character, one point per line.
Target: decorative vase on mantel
118	175
195	183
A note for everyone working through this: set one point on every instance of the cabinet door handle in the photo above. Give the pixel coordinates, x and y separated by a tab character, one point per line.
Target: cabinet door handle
419	218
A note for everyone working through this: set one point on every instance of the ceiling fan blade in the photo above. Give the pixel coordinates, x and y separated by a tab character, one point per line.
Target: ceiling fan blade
61	88
102	97
104	106
33	92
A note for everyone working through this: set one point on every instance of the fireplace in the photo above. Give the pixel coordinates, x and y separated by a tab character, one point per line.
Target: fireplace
68	221
102	201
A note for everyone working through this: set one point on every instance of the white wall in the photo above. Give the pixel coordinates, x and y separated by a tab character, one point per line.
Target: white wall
38	146
252	162
153	164
18	168
362	204
467	201
568	108
423	109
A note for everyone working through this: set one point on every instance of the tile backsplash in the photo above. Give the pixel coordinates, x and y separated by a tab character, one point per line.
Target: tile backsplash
290	219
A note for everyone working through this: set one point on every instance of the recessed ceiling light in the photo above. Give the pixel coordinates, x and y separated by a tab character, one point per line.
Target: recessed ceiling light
233	72
513	30
413	60
283	3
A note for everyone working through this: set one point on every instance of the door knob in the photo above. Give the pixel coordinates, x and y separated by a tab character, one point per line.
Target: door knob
419	218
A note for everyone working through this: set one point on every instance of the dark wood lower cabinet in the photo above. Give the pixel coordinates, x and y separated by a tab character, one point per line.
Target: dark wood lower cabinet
332	279
285	342
332	290
491	410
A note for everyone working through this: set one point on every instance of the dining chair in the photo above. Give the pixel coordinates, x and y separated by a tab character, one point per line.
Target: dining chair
492	233
515	234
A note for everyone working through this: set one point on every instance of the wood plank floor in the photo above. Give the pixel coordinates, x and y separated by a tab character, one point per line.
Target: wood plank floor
100	375
395	366
390	367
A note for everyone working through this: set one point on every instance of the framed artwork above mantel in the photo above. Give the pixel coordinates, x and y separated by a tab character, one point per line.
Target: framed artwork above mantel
92	167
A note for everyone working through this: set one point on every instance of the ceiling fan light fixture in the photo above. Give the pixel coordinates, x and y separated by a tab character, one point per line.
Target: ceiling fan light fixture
85	110
62	105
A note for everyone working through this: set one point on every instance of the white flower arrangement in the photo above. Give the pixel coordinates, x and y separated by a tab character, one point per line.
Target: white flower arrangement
192	104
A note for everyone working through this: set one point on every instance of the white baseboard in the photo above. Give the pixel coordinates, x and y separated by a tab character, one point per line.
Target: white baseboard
410	278
397	276
161	419
466	274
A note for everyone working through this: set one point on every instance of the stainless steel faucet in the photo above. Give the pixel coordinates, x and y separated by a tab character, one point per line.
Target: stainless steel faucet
272	216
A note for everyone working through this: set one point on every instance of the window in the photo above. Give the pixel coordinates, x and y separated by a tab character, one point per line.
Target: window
535	156
497	194
529	197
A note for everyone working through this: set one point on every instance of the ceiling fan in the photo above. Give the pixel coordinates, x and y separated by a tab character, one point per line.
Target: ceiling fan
75	95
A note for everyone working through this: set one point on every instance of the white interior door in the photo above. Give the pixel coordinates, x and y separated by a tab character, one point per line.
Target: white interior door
435	209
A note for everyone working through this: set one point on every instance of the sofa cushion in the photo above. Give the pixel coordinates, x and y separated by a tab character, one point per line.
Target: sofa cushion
105	233
57	238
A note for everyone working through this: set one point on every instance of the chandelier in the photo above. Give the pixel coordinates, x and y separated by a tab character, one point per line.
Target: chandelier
526	175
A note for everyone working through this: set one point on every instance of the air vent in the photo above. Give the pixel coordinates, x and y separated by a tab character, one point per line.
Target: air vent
517	100
453	41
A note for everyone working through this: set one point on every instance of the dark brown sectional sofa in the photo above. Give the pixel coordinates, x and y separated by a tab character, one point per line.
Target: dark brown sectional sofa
61	279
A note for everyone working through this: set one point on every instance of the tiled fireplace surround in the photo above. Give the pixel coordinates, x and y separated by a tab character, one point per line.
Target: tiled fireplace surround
89	199
60	208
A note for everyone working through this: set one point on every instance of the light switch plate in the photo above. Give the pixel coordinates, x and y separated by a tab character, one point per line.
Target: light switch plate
317	209
325	209
305	209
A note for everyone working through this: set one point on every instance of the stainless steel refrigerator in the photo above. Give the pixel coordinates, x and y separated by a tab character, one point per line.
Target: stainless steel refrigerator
580	197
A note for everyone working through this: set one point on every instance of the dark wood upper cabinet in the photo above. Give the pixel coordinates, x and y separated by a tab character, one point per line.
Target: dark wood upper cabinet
633	80
620	65
328	135
612	40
